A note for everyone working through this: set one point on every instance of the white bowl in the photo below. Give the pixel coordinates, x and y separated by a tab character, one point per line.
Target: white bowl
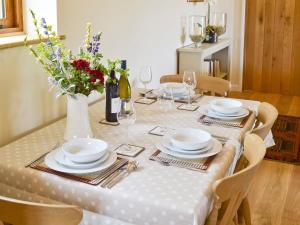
190	138
84	150
175	88
225	106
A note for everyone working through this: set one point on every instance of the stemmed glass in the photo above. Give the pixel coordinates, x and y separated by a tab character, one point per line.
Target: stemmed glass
219	21
197	26
189	79
145	77
166	97
127	118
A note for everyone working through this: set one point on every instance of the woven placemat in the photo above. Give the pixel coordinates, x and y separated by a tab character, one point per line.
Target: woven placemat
240	123
198	165
92	178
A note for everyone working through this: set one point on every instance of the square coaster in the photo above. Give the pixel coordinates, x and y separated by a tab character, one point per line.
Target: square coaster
132	152
109	123
160	130
145	91
151	95
146	101
187	107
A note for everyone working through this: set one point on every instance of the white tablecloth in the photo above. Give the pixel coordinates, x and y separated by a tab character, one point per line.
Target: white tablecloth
152	195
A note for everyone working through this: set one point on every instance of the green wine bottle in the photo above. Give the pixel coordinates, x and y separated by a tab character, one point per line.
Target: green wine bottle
125	89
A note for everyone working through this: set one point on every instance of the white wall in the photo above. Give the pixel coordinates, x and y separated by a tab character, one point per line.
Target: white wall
25	102
144	32
141	31
46	9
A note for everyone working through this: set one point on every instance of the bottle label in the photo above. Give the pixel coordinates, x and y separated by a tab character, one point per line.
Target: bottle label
115	105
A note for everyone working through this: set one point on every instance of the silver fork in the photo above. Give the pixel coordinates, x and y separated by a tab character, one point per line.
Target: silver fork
131	166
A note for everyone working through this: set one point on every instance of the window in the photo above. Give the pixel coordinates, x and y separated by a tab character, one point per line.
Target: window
11	19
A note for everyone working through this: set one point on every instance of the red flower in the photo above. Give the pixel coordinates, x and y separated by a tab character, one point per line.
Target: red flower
97	74
93	80
81	64
88	70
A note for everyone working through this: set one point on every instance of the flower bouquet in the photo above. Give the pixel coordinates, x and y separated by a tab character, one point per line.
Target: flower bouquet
73	75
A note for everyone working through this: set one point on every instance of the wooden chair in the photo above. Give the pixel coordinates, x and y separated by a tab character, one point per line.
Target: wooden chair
18	212
215	85
230	191
267	115
205	83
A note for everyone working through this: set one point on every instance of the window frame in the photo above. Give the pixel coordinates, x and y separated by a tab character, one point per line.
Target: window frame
13	21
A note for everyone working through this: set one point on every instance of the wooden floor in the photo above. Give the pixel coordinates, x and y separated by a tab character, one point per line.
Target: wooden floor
286	105
275	194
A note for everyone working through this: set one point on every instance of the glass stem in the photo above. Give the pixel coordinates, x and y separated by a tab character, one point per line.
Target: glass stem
189	96
145	88
127	130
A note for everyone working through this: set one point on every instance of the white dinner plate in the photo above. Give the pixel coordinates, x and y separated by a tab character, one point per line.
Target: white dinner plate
205	110
53	164
62	159
166	143
177	88
213	151
182	96
241	112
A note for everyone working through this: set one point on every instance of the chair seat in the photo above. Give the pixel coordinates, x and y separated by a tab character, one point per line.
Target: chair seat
89	218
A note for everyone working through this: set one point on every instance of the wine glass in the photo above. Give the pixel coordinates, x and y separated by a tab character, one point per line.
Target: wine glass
189	79
165	97
145	77
197	26
127	117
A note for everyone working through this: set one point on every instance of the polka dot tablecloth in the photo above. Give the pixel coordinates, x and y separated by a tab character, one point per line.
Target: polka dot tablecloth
153	195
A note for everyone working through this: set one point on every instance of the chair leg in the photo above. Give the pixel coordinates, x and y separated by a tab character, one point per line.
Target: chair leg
244	212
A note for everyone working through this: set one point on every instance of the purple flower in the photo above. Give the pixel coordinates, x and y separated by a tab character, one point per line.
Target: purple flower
58	53
48	43
43	23
94	46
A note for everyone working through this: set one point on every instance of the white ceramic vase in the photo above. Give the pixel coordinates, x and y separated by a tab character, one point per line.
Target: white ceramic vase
78	123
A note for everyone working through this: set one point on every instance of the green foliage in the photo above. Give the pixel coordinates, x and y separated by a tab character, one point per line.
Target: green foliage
115	66
59	63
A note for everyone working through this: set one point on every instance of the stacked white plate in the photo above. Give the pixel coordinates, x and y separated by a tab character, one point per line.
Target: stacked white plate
190	143
225	109
178	90
81	156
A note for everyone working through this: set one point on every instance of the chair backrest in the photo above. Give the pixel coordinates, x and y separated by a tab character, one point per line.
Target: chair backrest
17	212
267	115
204	83
171	78
213	84
230	191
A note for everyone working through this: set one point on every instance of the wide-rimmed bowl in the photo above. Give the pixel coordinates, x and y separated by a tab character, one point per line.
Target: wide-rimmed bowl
190	138
226	106
84	150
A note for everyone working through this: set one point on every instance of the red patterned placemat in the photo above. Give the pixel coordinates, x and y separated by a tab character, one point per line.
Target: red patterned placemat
92	179
198	165
218	122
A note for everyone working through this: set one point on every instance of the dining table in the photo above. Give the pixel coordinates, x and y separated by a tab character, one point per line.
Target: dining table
154	194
